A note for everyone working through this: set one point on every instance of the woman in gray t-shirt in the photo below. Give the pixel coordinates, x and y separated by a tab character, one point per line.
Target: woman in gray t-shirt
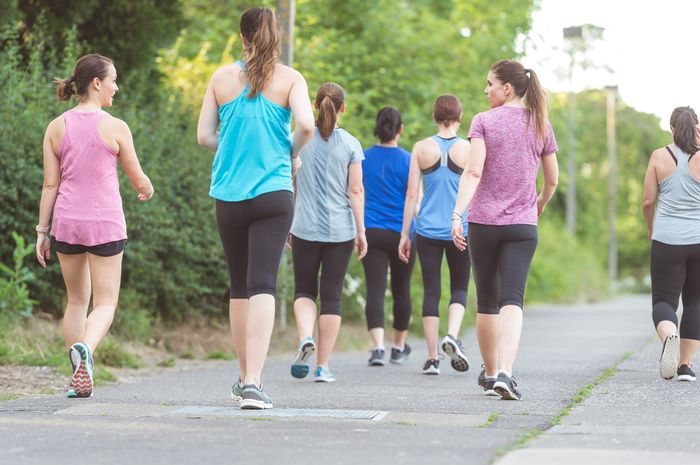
328	223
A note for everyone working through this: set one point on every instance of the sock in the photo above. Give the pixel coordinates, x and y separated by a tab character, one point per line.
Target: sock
507	373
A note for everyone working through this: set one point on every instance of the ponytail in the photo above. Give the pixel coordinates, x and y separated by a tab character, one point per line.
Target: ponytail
683	121
329	100
526	85
64	89
536	103
260	29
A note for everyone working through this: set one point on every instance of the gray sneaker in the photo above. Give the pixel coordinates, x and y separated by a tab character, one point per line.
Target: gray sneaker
377	358
670	353
431	367
237	390
453	348
254	398
399	356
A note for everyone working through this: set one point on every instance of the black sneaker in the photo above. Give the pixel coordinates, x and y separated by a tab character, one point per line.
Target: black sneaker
685	373
453	348
399	356
377	358
668	362
506	387
487	383
254	398
431	367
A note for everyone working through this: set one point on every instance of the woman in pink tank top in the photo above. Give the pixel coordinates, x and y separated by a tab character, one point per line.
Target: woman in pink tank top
81	200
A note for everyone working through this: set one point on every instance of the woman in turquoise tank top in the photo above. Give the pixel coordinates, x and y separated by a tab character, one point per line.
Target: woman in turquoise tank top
439	160
245	119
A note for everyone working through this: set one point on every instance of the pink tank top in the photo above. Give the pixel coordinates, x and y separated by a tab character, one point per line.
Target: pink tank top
88	209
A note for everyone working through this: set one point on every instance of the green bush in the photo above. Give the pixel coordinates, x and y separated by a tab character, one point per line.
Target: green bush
113	354
14	293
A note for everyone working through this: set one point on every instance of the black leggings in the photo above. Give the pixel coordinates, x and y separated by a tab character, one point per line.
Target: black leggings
430	256
333	259
253	233
383	250
501	256
675	271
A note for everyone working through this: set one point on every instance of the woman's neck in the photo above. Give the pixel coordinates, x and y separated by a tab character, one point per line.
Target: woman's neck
448	132
89	104
392	143
516	102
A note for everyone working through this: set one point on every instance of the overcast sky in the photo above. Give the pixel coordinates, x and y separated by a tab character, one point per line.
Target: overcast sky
649	44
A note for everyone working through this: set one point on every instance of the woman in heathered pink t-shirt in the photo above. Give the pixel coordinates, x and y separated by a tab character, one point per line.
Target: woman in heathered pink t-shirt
508	144
81	200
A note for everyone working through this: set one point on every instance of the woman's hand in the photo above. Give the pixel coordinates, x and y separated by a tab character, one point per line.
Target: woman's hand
43	248
457	234
541	205
145	197
405	248
361	245
288	242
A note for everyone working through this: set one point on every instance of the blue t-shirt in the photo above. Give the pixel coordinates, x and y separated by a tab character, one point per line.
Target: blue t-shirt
385	178
322	210
253	156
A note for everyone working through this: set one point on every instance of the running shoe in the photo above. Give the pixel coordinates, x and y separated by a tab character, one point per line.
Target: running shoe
323	375
431	367
300	365
668	363
453	348
486	383
506	387
376	359
81	383
399	356
254	398
685	373
237	390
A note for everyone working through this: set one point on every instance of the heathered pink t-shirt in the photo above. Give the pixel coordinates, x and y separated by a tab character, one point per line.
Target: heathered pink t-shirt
507	192
88	209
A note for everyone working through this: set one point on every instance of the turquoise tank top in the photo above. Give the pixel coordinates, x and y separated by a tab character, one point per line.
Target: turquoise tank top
440	186
255	144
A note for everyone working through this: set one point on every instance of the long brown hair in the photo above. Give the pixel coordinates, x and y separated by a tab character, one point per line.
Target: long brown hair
525	85
683	121
260	29
87	68
329	99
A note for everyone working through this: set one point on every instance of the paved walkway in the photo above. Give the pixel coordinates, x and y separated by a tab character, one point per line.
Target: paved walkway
186	417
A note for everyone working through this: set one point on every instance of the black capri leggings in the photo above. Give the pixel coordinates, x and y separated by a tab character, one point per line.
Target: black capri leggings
253	233
332	258
430	256
383	250
501	256
675	271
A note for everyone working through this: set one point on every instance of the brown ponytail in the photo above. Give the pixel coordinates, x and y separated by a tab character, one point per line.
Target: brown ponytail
683	121
329	100
526	85
87	68
260	29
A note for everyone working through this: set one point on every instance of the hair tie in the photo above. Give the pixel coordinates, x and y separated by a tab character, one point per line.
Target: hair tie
72	79
527	70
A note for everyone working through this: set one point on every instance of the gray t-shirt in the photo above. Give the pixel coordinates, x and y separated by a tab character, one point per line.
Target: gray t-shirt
322	211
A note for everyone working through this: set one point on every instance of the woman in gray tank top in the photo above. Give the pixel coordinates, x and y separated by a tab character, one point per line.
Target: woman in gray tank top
672	211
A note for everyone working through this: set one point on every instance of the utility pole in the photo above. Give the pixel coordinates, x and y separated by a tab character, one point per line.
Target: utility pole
286	11
612	186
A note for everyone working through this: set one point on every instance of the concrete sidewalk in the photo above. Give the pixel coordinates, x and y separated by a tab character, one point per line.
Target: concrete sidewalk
188	417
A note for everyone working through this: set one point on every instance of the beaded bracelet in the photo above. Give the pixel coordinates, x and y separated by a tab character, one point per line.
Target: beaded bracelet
41	229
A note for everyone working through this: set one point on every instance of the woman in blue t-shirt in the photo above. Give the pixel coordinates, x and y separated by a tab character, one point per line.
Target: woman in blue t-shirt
328	224
385	178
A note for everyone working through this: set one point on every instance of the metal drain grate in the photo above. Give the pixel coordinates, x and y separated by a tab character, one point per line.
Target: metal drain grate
280	413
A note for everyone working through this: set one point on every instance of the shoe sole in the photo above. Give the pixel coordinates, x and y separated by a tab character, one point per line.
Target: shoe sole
458	360
252	404
491	392
668	363
299	368
377	363
81	384
431	372
324	380
399	362
236	398
686	378
502	390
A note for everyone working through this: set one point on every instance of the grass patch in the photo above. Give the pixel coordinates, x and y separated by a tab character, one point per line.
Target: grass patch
490	420
406	423
167	363
219	355
580	396
8	396
113	354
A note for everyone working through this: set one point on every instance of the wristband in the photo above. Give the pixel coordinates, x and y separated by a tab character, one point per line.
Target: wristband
41	229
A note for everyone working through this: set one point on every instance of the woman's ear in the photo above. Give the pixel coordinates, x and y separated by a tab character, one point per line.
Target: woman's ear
401	130
342	108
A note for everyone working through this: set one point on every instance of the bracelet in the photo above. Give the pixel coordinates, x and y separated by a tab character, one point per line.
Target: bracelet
455	212
41	229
